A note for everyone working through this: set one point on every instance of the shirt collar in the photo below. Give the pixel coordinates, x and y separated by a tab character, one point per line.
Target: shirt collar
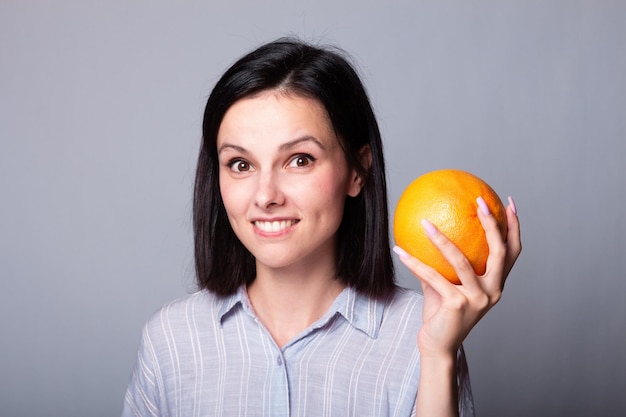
229	303
362	312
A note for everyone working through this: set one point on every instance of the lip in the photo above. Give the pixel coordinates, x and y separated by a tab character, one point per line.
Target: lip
274	226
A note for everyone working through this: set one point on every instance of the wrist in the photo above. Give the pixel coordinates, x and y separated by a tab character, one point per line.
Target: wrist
439	360
435	351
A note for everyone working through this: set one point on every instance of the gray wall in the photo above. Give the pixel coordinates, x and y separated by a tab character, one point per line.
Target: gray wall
100	113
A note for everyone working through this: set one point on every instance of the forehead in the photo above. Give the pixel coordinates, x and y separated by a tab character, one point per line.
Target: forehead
276	113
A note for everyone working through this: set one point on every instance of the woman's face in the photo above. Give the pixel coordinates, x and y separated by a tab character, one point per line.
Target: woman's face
283	179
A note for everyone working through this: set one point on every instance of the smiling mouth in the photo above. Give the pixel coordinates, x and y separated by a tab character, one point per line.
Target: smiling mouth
275	226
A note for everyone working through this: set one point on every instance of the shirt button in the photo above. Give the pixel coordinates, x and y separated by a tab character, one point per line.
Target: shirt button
279	361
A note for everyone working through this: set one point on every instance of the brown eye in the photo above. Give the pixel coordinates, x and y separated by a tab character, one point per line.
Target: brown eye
240	166
301	161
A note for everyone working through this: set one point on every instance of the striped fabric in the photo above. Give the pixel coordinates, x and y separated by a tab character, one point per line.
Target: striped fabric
209	356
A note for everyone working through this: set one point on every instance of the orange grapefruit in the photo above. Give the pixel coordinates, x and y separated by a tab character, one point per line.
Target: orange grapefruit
447	198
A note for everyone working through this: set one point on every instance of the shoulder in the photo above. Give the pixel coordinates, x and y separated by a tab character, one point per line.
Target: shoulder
404	305
180	313
404	297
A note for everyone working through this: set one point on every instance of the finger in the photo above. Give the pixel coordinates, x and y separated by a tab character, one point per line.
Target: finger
494	277
428	276
459	262
513	238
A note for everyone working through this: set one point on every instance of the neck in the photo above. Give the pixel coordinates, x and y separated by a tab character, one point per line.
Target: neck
287	302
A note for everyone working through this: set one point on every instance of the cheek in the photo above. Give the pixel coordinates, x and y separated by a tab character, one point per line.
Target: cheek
320	190
329	193
233	198
335	185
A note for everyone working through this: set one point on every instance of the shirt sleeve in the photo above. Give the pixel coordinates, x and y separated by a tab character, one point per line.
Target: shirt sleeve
466	399
142	397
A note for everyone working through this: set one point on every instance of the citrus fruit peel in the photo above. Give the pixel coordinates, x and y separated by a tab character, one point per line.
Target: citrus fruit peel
448	200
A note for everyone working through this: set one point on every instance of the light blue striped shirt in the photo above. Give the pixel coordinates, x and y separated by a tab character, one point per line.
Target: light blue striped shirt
205	355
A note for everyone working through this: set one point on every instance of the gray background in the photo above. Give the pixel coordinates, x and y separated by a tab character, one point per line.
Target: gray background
100	113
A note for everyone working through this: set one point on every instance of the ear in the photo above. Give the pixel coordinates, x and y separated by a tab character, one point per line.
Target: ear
356	179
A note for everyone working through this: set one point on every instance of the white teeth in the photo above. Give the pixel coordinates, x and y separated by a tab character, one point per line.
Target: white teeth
276	226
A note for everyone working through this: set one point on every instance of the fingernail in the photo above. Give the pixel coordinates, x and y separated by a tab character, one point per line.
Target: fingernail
482	205
429	228
512	204
401	252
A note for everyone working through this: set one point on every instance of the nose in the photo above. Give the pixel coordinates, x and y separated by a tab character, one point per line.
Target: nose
269	191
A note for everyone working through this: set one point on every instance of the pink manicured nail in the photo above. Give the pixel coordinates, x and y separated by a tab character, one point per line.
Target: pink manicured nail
429	228
482	205
401	252
512	204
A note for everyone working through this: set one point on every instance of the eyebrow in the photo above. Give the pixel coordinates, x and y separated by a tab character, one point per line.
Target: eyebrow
284	147
295	142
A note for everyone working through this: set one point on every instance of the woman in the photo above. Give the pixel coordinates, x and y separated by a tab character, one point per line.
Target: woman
298	312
